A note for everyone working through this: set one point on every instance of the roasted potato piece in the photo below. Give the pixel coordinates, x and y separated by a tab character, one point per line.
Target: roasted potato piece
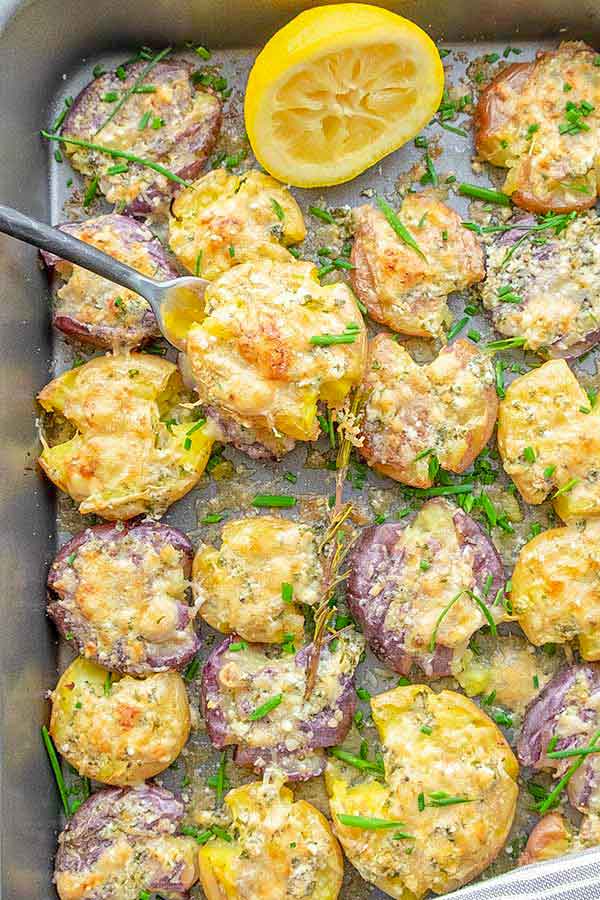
119	593
436	748
547	137
254	699
556	587
548	293
223	220
252	355
403	576
447	408
549	440
176	125
240	586
129	455
549	838
124	843
119	730
401	289
283	850
95	310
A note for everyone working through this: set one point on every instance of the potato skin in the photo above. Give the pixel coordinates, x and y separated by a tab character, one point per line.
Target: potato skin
122	733
411	409
464	755
122	841
252	357
118	592
124	460
556	587
547	169
549	838
398	604
401	289
567	709
239	587
292	735
191	117
93	309
543	410
558	283
283	849
223	220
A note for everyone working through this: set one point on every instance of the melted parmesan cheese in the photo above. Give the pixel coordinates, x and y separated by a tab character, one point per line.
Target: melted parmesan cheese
239	587
447	408
283	850
119	733
252	355
400	288
556	587
464	756
543	410
223	220
123	460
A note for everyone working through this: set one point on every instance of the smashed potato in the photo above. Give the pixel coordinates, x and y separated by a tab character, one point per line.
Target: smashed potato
549	440
545	135
436	747
135	449
447	409
119	730
283	849
556	587
399	287
263	353
223	220
242	586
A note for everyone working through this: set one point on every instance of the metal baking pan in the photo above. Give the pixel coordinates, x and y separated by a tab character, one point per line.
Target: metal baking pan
48	48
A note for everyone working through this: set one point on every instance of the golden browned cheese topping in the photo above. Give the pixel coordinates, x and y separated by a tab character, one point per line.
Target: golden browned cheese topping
399	287
541	121
240	587
252	354
447	408
283	849
556	587
223	220
549	440
119	731
124	458
129	591
558	283
436	747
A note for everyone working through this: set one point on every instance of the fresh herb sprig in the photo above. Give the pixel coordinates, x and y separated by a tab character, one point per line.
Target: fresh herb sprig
135	87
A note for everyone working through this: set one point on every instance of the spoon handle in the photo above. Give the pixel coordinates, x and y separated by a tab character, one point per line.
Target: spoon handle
53	240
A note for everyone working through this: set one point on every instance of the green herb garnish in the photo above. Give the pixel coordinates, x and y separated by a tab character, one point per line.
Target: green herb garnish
261	711
279	501
400	229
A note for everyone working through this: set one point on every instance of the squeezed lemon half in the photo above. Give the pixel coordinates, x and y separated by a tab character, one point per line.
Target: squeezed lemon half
338	88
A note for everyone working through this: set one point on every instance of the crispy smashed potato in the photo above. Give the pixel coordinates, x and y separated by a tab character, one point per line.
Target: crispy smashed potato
240	587
550	837
400	288
447	408
283	849
133	450
549	440
546	135
556	587
223	220
120	730
435	747
252	355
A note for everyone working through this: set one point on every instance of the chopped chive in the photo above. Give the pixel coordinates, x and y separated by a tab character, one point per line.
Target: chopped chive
91	192
327	340
441	798
287	592
474	335
118	169
457	327
117	154
202	52
221	777
499	372
440	618
529	454
196	426
546	804
453	128
191	670
321	214
237	646
221	833
71	558
144	120
281	501
566	487
367	823
55	765
289	476
201	837
426	729
423	454
144	89
400	229
277	209
97	71
198	264
261	711
212	519
421	802
506	344
492	57
110	97
549	471
483	193
444	490
108	684
536	682
488	508
362	693
567	754
357	761
138	81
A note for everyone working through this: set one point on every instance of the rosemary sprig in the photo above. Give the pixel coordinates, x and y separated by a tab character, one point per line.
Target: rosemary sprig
138	81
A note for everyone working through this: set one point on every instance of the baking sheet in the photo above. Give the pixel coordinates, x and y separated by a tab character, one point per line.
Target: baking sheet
372	495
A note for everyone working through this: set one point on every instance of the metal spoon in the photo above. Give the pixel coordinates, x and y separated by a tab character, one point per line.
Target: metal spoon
176	303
